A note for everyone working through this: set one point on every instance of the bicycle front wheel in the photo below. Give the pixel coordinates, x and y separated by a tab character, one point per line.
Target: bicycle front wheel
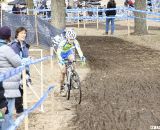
75	91
68	91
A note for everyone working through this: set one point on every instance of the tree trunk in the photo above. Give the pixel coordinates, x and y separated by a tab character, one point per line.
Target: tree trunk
30	5
140	27
58	13
71	3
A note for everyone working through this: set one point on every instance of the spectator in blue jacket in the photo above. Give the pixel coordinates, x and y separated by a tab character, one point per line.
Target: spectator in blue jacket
110	13
149	3
8	60
21	48
16	9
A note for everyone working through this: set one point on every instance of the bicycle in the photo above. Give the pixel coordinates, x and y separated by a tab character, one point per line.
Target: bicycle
72	83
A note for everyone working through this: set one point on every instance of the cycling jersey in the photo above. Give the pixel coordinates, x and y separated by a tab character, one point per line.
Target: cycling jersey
64	46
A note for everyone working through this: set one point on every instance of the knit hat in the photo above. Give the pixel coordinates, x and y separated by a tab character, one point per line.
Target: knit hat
5	32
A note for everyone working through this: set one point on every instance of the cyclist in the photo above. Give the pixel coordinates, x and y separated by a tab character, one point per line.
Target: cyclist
65	51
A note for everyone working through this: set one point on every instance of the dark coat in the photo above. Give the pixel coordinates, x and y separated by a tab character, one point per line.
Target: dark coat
110	12
3	101
23	52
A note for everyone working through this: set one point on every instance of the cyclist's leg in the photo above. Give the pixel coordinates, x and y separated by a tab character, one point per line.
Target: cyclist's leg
67	55
62	76
63	71
71	58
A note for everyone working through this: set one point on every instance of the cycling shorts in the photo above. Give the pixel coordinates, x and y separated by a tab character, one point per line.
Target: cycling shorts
65	55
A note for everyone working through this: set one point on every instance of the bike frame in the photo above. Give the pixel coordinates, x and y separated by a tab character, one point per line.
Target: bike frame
69	69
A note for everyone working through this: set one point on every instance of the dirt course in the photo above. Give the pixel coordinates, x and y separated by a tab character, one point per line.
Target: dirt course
120	84
122	91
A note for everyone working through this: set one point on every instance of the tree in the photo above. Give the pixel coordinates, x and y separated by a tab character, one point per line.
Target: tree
71	3
30	5
140	27
58	13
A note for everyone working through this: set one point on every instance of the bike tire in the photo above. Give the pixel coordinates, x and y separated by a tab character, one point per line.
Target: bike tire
75	91
68	91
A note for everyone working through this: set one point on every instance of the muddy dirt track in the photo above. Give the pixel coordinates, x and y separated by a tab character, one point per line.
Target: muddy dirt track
122	92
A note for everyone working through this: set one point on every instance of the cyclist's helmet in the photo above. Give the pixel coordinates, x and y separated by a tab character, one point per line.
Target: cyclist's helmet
70	34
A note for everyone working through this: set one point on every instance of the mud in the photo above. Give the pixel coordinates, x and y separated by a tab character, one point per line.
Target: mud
122	91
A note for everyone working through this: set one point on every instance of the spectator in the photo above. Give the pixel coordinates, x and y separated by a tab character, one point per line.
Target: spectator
149	3
79	5
41	8
9	60
16	9
44	2
100	12
47	12
21	48
129	3
69	7
3	105
90	13
110	13
157	3
24	10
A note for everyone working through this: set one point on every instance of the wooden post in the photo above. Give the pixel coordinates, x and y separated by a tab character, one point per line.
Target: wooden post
25	97
27	12
36	29
84	25
147	26
1	16
128	24
84	21
42	79
78	19
51	53
97	18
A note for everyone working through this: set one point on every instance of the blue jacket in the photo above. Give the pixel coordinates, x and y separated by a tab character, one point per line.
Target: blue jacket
23	51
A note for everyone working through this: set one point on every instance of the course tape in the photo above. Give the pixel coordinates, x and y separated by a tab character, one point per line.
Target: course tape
151	19
105	9
95	18
127	12
91	9
8	74
123	17
142	11
26	112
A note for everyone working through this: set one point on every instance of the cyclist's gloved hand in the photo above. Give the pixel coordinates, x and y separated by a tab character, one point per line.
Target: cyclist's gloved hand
83	59
61	62
25	61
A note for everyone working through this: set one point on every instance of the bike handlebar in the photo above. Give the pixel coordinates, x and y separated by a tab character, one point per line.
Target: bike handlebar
67	61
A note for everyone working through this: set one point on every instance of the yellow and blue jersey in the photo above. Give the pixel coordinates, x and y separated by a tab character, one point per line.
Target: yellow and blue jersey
65	49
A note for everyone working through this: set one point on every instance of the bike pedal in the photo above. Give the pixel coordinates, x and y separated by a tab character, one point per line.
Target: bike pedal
63	93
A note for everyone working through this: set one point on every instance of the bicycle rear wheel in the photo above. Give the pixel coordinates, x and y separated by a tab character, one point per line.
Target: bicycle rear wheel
75	91
68	91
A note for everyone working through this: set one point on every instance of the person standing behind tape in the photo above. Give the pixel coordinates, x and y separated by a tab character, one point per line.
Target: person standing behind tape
149	4
9	60
110	13
21	48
